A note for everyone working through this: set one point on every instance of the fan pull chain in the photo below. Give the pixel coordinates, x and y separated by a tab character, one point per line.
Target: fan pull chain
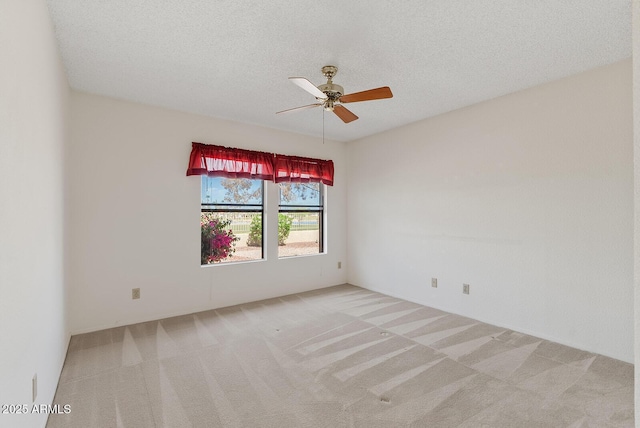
323	127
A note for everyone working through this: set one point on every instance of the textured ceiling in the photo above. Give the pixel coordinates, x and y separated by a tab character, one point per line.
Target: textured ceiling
231	58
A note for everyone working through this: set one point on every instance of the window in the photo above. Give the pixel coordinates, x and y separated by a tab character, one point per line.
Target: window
300	219
231	219
232	204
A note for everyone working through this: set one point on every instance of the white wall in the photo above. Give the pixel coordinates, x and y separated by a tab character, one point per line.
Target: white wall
33	116
528	198
135	216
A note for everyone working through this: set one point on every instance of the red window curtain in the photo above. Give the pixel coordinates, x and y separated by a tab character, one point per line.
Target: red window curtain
218	161
303	170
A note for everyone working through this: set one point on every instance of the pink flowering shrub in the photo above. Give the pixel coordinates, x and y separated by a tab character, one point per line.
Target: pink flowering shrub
218	241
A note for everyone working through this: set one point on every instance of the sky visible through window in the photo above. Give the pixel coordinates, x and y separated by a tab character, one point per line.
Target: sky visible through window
300	194
212	191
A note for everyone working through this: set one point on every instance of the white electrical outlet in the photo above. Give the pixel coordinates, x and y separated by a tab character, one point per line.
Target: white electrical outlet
465	288
135	293
434	282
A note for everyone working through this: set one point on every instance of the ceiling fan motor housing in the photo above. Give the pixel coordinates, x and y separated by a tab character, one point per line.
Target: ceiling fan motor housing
332	91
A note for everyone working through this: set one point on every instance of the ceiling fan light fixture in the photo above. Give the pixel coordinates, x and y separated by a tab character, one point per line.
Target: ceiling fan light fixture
328	105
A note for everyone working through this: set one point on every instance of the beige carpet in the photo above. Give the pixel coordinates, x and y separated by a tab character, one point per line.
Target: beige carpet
338	357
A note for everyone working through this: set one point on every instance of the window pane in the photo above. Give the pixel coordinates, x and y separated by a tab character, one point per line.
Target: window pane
304	233
306	194
216	190
230	220
300	219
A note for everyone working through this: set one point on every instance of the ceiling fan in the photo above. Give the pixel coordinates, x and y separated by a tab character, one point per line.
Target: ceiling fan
331	96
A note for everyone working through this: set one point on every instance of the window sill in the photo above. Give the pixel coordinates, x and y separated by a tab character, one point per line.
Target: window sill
239	262
301	255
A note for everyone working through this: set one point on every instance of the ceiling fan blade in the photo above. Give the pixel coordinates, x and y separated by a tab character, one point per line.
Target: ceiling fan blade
344	114
308	86
299	108
371	94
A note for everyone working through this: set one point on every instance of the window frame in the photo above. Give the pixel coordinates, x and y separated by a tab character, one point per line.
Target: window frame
238	208
320	209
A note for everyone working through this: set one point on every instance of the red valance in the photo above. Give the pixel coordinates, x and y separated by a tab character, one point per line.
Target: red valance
303	170
218	161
